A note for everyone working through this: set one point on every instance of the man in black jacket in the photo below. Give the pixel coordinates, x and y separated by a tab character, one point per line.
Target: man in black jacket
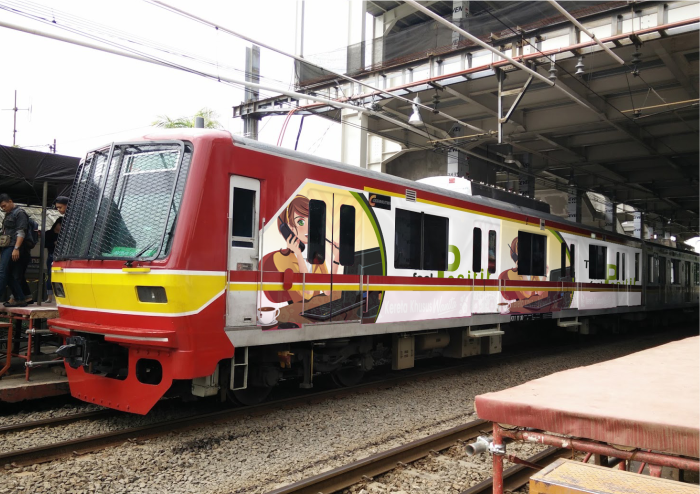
61	203
14	258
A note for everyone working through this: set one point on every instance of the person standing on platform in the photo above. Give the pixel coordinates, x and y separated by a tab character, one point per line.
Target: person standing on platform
61	203
13	256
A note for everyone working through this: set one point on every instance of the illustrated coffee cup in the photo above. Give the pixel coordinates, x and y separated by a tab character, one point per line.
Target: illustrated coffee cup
267	315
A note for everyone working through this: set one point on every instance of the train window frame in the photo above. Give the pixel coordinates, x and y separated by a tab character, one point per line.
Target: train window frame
595	270
431	255
617	266
435	244
563	259
492	246
623	266
411	238
652	269
526	246
476	250
687	277
663	271
697	273
243	241
675	272
636	266
316	246
346	233
572	261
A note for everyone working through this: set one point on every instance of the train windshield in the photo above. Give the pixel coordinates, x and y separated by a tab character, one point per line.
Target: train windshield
125	202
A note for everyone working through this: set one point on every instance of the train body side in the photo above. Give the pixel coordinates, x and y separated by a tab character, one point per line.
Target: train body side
215	294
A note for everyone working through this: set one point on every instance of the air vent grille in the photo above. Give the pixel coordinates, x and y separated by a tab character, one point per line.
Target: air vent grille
411	195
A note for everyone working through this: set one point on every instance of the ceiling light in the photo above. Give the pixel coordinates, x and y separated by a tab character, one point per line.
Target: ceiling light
415	116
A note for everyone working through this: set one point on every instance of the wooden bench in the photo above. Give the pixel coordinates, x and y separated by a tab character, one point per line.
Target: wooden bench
573	477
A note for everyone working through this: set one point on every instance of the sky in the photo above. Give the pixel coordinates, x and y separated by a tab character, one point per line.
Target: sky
85	99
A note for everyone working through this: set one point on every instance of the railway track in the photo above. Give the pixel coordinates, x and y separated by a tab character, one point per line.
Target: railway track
55	421
41	454
44	453
348	475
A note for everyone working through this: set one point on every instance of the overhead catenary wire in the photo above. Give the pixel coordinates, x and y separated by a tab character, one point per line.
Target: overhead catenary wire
219	27
275	90
93	30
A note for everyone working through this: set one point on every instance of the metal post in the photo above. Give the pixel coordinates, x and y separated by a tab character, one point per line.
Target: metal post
500	76
497	459
252	74
42	245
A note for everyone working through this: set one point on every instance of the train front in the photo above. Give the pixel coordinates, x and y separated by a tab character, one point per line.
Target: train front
137	311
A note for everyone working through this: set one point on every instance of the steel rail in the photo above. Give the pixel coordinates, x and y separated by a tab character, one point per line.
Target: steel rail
519	475
54	421
41	454
347	475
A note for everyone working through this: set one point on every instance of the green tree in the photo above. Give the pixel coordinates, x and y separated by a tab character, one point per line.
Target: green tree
210	120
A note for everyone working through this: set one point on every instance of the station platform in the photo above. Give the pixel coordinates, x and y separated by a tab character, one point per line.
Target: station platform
23	330
641	407
44	383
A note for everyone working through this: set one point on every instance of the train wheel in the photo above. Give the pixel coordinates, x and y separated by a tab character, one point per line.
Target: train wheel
249	396
347	376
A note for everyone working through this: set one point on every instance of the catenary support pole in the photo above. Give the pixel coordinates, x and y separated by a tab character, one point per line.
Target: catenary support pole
42	245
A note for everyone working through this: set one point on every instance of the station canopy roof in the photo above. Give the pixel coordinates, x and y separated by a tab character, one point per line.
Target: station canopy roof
23	173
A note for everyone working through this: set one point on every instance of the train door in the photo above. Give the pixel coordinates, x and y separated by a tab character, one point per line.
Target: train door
347	276
243	255
335	242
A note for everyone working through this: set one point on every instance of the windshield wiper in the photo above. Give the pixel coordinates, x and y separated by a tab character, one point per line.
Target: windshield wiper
149	246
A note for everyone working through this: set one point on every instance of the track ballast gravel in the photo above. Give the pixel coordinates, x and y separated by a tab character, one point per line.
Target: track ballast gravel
258	454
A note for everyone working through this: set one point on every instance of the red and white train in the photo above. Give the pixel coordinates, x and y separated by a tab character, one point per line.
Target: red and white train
225	265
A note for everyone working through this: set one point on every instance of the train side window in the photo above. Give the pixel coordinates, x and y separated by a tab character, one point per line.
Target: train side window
675	272
623	268
572	268
662	270
597	262
476	251
687	273
617	265
697	273
407	239
243	217
563	259
652	274
347	235
636	267
492	251
316	253
532	254
436	231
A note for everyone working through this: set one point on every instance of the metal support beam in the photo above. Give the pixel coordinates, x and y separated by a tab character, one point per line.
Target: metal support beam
521	93
476	40
252	74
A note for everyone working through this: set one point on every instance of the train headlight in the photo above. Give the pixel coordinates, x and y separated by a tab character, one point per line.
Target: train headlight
152	294
58	290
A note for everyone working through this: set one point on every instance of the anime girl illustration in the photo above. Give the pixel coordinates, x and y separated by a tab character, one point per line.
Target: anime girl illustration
293	226
513	275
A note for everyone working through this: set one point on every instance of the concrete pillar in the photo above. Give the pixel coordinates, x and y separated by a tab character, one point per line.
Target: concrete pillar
610	216
252	74
457	161
460	10
353	146
299	34
638	224
356	36
573	204
526	184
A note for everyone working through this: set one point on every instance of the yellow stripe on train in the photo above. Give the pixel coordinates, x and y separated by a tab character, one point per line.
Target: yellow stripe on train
186	293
